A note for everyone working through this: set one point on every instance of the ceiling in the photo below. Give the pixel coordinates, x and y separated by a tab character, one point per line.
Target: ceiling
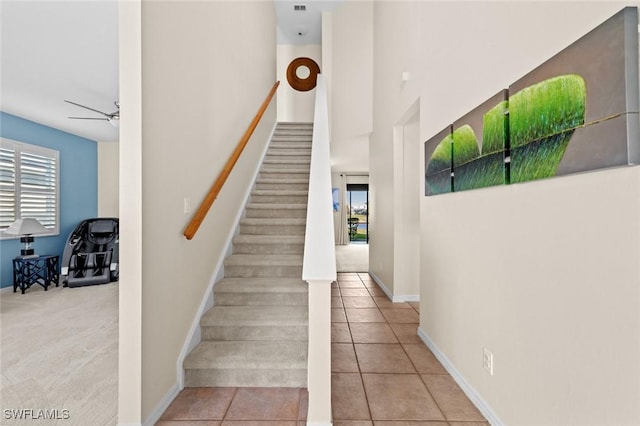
301	26
57	50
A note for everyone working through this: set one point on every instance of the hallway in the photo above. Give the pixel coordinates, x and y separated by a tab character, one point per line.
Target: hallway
382	373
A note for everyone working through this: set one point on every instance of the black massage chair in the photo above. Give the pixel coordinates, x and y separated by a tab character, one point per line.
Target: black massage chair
91	254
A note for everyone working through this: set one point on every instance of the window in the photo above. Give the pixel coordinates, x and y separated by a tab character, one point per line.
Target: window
29	185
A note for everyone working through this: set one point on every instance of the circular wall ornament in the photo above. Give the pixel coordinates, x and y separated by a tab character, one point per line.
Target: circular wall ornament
303	84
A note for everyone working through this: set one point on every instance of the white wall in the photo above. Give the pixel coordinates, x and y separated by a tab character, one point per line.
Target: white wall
108	179
130	167
544	274
295	106
350	36
207	67
406	200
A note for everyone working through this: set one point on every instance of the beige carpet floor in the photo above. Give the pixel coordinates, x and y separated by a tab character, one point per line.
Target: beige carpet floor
59	351
352	258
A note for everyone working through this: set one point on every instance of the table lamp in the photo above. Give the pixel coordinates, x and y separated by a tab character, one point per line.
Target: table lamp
26	228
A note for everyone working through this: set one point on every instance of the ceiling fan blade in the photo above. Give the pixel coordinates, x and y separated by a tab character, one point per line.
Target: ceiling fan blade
86	107
89	118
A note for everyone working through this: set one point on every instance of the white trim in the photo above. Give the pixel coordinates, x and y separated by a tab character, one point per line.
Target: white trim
162	406
394	299
381	285
319	423
129	424
193	337
406	298
6	289
471	393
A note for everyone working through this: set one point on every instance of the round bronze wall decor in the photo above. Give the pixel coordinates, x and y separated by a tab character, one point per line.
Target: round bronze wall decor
303	84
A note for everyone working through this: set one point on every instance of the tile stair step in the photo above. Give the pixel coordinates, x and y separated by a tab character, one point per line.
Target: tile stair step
270	364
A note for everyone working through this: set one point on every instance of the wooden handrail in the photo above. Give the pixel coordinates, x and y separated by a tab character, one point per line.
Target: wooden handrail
206	204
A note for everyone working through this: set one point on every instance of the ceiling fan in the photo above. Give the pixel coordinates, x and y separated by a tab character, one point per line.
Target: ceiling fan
110	117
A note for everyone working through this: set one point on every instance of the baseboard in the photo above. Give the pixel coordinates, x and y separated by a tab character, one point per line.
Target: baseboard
319	423
381	285
6	289
406	298
129	424
162	406
394	299
471	393
194	337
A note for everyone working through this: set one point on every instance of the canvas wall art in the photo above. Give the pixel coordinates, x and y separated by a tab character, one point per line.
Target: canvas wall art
578	111
479	145
438	157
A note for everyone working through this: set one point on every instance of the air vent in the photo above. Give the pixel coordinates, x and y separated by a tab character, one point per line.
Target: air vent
300	7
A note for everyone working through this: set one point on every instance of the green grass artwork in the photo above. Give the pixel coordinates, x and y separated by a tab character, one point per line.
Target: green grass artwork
542	119
494	129
539	126
465	146
438	174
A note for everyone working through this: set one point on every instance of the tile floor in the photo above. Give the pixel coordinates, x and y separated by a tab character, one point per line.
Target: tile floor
382	375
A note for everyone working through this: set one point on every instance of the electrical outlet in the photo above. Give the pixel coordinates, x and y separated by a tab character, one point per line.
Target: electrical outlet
487	360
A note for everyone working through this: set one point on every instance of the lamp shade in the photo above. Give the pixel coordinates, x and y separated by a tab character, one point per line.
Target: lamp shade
26	226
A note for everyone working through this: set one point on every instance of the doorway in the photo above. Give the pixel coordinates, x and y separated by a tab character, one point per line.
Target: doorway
358	213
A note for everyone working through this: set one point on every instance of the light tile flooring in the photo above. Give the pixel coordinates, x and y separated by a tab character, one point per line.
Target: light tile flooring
382	375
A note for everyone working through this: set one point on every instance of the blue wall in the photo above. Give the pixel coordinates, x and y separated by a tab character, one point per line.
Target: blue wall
78	185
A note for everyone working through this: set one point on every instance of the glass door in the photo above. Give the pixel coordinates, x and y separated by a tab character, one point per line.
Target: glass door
358	212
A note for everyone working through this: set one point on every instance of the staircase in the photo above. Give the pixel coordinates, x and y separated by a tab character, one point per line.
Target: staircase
256	333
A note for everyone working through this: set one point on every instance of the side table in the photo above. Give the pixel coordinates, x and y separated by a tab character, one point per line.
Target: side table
43	270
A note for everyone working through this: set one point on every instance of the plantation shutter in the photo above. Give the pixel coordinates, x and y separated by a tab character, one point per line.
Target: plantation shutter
29	184
38	189
7	187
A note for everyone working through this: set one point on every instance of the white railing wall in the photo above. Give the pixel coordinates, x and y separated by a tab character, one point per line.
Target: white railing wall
319	267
